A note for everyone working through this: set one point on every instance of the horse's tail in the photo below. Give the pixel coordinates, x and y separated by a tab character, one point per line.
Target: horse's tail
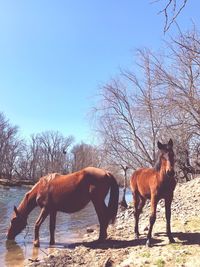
114	199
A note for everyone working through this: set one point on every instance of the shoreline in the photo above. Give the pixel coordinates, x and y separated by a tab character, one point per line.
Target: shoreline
13	183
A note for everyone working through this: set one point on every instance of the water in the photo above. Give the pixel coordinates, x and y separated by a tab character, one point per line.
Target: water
69	228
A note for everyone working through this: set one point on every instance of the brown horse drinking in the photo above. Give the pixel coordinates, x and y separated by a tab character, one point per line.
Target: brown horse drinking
155	183
68	193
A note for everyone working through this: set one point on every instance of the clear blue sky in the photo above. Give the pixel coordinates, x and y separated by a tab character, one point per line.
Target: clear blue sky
54	55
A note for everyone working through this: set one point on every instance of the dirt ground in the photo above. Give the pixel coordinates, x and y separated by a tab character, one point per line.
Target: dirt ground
122	250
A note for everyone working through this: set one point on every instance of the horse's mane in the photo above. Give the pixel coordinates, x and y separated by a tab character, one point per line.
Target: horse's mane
48	177
157	164
28	202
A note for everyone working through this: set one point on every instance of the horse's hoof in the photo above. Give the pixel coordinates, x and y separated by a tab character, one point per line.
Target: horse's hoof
101	239
36	243
171	240
148	244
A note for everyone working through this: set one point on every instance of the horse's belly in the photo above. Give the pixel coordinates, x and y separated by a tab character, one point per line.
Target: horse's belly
70	204
72	208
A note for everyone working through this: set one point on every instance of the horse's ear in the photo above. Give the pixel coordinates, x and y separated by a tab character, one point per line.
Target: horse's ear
170	143
16	211
160	145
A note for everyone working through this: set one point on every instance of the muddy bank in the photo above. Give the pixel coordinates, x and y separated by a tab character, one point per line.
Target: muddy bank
122	250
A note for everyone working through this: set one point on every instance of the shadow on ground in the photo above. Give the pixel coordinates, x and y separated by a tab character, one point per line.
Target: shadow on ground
188	238
111	243
185	238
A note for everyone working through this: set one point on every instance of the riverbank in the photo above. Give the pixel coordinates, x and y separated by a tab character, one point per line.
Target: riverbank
122	250
11	183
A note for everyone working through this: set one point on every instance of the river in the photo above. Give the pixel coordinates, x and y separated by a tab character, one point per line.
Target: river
69	228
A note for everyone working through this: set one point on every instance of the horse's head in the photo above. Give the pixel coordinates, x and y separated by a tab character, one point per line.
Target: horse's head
17	224
167	153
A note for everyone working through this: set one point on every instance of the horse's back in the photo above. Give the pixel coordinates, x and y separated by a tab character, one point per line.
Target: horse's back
96	173
69	182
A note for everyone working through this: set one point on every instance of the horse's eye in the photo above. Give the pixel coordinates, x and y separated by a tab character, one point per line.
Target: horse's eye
14	220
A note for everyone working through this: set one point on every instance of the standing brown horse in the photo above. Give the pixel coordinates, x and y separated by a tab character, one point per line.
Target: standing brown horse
68	193
155	183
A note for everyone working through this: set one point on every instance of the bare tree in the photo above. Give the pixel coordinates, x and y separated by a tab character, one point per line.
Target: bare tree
84	155
46	152
181	79
123	202
130	118
162	101
10	147
53	148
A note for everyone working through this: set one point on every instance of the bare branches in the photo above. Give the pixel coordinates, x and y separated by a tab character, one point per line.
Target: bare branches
128	118
160	102
10	147
171	11
84	155
46	152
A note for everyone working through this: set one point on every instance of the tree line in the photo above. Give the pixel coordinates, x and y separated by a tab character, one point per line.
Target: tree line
43	153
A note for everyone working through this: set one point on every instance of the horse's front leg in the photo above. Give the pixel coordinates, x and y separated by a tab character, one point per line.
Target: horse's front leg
168	202
43	214
154	202
52	224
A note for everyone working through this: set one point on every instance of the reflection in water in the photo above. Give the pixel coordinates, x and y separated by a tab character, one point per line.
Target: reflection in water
35	253
17	254
14	255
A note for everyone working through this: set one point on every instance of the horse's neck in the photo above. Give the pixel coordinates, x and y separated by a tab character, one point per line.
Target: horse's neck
164	168
28	203
162	173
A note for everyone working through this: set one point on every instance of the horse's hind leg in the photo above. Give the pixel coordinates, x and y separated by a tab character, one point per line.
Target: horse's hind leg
52	224
43	214
168	202
102	213
139	203
140	207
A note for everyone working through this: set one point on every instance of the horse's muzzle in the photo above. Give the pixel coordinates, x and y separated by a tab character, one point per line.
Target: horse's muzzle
170	173
10	237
